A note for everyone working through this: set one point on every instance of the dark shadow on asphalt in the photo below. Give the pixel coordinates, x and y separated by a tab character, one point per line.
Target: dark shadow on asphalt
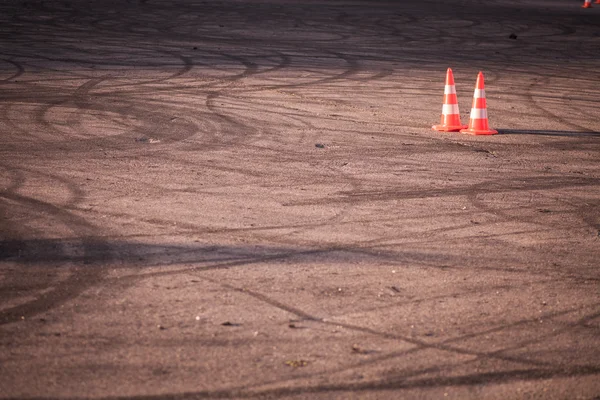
548	133
88	259
91	254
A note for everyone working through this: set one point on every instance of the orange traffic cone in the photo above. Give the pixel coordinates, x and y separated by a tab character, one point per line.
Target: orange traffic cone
597	2
478	124
587	4
450	120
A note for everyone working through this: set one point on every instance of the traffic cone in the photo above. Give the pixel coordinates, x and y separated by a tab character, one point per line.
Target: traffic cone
597	1
450	120
478	123
587	4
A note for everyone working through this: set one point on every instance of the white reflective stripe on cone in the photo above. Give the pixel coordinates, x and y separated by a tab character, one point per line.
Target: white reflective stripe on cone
478	113
449	89
448	109
479	93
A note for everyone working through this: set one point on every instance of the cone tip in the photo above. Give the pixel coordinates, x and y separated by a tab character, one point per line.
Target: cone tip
449	77
479	84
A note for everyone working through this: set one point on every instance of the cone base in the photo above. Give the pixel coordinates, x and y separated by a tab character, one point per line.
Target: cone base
448	128
587	5
479	131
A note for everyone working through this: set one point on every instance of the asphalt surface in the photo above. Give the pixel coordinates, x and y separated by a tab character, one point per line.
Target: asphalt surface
245	199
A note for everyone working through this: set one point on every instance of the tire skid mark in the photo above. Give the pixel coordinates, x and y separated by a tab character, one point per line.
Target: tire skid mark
285	61
532	99
16	177
211	103
261	232
587	210
42	112
187	66
303	316
507	216
351	69
236	131
420	345
378	385
437	261
39	113
220	115
18	131
360	246
296	123
498	186
83	101
117	141
441	262
251	69
80	278
20	70
75	191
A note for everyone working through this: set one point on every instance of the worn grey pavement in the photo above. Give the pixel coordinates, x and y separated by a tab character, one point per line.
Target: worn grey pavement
245	199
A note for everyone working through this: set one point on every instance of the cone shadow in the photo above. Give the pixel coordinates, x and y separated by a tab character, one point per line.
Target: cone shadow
548	133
